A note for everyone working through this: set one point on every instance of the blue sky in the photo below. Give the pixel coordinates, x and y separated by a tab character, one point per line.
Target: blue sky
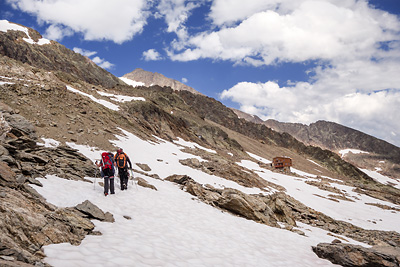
294	61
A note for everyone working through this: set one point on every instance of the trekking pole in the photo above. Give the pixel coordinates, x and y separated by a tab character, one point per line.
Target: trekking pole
95	176
133	178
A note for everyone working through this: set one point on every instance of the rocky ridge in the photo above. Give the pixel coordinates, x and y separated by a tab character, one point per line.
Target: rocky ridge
28	222
154	78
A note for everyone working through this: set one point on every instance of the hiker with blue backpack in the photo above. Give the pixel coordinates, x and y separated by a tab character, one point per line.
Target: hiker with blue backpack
121	161
107	171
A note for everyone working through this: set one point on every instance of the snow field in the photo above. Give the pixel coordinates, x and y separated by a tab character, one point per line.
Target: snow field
357	212
170	227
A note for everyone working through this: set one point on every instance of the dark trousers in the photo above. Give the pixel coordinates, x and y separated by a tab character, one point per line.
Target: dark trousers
123	178
108	181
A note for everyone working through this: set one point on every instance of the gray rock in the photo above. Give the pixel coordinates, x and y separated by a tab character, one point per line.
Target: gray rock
144	167
18	122
353	255
92	210
142	182
6	174
109	217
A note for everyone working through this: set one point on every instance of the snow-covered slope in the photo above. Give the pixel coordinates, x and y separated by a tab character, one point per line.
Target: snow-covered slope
170	227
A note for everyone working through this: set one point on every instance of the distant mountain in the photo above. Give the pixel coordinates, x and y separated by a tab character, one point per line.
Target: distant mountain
379	154
247	117
153	78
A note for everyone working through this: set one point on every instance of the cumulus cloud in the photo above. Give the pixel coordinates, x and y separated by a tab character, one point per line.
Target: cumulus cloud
117	20
184	80
57	32
99	61
151	55
315	30
175	13
84	52
102	63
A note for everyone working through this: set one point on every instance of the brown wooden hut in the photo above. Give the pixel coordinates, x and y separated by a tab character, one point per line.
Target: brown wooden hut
281	162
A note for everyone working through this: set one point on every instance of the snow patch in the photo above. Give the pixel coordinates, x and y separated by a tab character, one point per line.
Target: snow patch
261	159
48	142
7	26
100	101
354	151
121	98
381	178
131	82
314	162
193	145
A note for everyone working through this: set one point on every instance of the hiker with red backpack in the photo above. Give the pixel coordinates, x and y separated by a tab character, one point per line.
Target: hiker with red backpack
121	160
107	169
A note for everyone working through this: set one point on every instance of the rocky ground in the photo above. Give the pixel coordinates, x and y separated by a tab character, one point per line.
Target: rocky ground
28	222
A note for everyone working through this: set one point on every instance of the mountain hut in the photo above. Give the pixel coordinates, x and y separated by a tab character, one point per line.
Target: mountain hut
282	162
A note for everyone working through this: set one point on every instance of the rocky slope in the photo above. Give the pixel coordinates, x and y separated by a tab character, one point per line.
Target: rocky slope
336	137
35	102
66	64
154	78
27	221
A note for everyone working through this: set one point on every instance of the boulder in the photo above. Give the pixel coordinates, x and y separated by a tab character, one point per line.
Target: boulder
144	167
263	209
93	211
7	175
353	255
20	125
142	182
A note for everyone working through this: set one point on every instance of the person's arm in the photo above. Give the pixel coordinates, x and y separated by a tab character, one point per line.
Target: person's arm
129	161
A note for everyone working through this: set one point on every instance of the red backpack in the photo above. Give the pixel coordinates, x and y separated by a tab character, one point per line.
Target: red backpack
106	160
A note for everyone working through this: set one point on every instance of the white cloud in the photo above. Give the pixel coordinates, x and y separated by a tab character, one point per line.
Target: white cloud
374	113
184	80
315	30
228	12
151	54
117	20
84	52
99	61
175	13
57	32
102	63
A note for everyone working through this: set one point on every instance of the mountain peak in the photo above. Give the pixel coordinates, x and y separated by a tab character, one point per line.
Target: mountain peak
148	78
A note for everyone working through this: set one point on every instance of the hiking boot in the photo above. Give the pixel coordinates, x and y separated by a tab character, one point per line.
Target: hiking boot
105	194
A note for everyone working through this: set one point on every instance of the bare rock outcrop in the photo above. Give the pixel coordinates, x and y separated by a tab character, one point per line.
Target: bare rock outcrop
28	222
348	255
142	182
282	208
94	212
263	209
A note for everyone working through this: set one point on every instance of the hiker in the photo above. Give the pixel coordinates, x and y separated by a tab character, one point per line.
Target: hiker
107	169
121	161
